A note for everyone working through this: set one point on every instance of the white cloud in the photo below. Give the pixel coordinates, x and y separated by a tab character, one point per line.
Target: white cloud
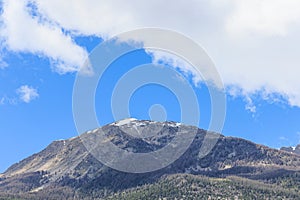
26	33
160	57
254	43
27	93
267	17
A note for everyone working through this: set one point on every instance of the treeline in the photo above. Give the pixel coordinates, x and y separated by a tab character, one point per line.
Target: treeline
198	187
179	186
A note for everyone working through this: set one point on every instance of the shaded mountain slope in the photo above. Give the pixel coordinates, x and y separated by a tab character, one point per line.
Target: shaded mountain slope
66	168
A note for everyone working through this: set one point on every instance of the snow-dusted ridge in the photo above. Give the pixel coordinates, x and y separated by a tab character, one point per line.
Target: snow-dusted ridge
137	122
124	121
134	122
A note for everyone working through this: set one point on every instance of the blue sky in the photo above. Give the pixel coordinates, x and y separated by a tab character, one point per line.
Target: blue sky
41	51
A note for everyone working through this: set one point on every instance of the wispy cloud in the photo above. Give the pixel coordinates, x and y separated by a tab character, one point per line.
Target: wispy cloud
27	93
3	64
284	141
247	98
283	138
250	106
298	134
4	100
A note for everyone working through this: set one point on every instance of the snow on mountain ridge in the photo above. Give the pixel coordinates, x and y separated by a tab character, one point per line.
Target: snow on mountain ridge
124	121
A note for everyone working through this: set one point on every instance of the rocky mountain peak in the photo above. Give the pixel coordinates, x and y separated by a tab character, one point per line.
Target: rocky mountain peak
68	164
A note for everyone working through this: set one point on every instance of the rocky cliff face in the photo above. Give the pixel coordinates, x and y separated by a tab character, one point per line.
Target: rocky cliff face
65	167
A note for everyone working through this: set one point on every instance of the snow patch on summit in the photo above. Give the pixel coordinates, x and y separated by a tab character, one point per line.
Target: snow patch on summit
124	121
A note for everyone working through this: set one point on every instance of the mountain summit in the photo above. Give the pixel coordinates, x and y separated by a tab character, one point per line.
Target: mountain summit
66	170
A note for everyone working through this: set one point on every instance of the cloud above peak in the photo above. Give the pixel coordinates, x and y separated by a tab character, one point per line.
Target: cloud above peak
263	17
25	31
254	43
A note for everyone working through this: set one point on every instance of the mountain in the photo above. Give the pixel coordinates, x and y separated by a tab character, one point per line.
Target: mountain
234	168
295	150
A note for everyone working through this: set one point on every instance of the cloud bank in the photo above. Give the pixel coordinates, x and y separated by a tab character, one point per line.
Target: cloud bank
254	43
